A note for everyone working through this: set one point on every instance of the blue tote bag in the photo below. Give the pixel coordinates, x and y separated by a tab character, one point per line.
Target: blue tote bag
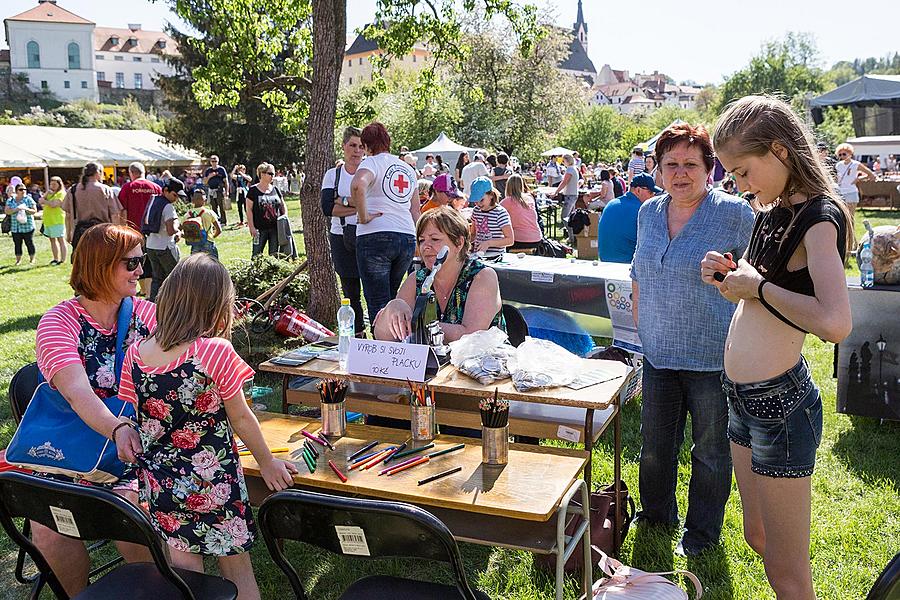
52	438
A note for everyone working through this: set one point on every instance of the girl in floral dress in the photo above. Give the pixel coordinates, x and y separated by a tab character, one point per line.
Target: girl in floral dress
186	380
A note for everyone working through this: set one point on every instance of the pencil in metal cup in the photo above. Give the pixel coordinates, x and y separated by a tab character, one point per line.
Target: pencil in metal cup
440	475
362	450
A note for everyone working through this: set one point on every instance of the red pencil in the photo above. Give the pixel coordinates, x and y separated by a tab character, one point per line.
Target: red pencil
363	463
418	461
337	472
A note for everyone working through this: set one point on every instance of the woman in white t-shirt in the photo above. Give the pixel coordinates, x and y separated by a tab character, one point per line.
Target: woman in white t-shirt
335	201
384	195
849	171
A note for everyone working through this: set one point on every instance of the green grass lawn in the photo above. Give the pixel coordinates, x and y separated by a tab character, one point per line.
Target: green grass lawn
856	505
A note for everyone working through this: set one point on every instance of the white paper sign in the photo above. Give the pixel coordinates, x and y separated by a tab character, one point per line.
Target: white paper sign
65	522
621	307
539	277
567	433
391	360
352	539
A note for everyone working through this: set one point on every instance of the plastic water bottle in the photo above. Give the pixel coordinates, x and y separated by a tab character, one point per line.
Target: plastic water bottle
346	318
866	272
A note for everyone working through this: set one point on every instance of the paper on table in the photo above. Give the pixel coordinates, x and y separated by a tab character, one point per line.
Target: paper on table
592	377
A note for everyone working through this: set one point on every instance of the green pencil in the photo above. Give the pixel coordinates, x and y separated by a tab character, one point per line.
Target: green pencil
310	462
411	451
447	450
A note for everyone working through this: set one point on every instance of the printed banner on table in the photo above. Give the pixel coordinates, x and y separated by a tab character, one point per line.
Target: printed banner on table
621	307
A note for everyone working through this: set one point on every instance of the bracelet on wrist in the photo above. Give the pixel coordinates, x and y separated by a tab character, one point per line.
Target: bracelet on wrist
759	290
112	435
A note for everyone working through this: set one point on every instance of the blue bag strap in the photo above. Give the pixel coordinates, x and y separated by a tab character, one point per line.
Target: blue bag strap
125	310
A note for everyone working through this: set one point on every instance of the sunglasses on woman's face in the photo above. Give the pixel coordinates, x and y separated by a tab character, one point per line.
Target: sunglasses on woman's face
133	262
272	173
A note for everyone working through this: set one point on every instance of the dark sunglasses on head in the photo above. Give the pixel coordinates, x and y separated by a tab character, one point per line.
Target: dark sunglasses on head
133	262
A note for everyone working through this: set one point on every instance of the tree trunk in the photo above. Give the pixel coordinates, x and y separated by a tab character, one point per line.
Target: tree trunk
329	28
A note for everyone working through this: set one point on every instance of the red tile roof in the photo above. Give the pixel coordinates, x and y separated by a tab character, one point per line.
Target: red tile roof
49	12
147	41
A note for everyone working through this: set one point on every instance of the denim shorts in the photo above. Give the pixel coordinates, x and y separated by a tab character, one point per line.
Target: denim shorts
779	419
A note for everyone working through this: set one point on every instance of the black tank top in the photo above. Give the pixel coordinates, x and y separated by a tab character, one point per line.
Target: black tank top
772	244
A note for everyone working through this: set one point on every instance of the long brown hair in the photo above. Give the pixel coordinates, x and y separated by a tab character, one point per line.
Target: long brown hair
516	189
751	125
195	301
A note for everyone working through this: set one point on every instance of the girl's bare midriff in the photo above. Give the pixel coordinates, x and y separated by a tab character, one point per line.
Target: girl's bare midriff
759	345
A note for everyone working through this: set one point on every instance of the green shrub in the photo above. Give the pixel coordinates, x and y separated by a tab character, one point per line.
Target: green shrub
253	277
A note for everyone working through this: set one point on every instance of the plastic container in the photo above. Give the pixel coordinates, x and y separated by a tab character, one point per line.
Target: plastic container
346	320
866	270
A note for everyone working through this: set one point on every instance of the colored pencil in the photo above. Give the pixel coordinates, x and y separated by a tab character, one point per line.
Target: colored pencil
400	449
272	450
400	464
362	450
414	450
337	471
308	445
365	457
309	462
440	475
311	437
325	441
361	463
376	459
447	450
419	461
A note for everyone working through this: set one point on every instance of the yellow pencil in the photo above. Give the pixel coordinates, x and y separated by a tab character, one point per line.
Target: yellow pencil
272	450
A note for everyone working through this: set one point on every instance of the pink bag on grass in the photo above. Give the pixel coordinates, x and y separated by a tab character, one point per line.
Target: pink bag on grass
626	583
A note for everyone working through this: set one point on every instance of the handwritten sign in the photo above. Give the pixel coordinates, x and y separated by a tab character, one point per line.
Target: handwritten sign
391	360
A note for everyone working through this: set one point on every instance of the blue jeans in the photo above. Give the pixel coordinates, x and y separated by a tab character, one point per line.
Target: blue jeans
383	259
208	247
668	397
263	237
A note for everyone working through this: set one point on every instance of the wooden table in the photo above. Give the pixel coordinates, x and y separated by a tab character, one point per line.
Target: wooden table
511	506
450	381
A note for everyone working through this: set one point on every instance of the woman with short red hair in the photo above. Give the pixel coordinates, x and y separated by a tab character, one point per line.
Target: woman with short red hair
76	353
384	194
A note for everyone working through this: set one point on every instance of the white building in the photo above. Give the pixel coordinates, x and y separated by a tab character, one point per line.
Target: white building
69	56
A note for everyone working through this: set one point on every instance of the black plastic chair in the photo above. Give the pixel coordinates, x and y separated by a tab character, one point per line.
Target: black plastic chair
887	586
516	327
390	529
21	390
88	513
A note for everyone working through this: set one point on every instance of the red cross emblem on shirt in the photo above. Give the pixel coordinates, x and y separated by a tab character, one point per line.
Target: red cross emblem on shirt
400	183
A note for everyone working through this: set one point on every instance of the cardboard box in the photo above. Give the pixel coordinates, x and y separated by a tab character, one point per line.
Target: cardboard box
586	247
594	228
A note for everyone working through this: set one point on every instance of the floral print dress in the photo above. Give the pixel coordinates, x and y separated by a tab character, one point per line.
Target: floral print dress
69	335
455	308
190	473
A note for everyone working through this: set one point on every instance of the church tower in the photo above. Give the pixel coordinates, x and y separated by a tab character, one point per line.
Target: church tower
580	28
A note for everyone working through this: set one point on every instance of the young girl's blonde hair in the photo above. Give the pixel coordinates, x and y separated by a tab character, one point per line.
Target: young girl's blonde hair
196	300
753	124
516	189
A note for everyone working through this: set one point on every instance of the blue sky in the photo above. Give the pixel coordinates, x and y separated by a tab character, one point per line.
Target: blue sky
701	41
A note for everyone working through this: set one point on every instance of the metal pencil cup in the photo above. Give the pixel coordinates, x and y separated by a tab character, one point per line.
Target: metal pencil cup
422	423
334	419
495	445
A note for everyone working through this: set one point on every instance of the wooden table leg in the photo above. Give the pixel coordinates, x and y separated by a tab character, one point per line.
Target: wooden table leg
617	474
285	381
588	445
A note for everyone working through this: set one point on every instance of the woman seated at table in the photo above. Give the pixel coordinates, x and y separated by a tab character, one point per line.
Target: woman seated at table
462	282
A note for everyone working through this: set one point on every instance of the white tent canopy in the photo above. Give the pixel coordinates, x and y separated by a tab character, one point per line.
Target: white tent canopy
442	143
650	145
32	146
558	151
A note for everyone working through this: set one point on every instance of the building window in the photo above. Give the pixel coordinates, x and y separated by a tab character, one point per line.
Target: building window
120	80
33	50
138	81
44	86
414	58
349	62
98	57
351	81
101	75
119	58
84	85
360	60
154	60
136	58
74	56
66	84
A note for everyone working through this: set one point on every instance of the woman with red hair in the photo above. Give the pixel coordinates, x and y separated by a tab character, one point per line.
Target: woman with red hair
76	353
387	208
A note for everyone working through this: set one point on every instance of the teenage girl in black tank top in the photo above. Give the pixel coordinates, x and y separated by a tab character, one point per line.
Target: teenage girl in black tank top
790	281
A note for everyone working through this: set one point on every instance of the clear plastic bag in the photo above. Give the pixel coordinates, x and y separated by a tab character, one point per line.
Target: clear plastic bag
543	364
485	356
